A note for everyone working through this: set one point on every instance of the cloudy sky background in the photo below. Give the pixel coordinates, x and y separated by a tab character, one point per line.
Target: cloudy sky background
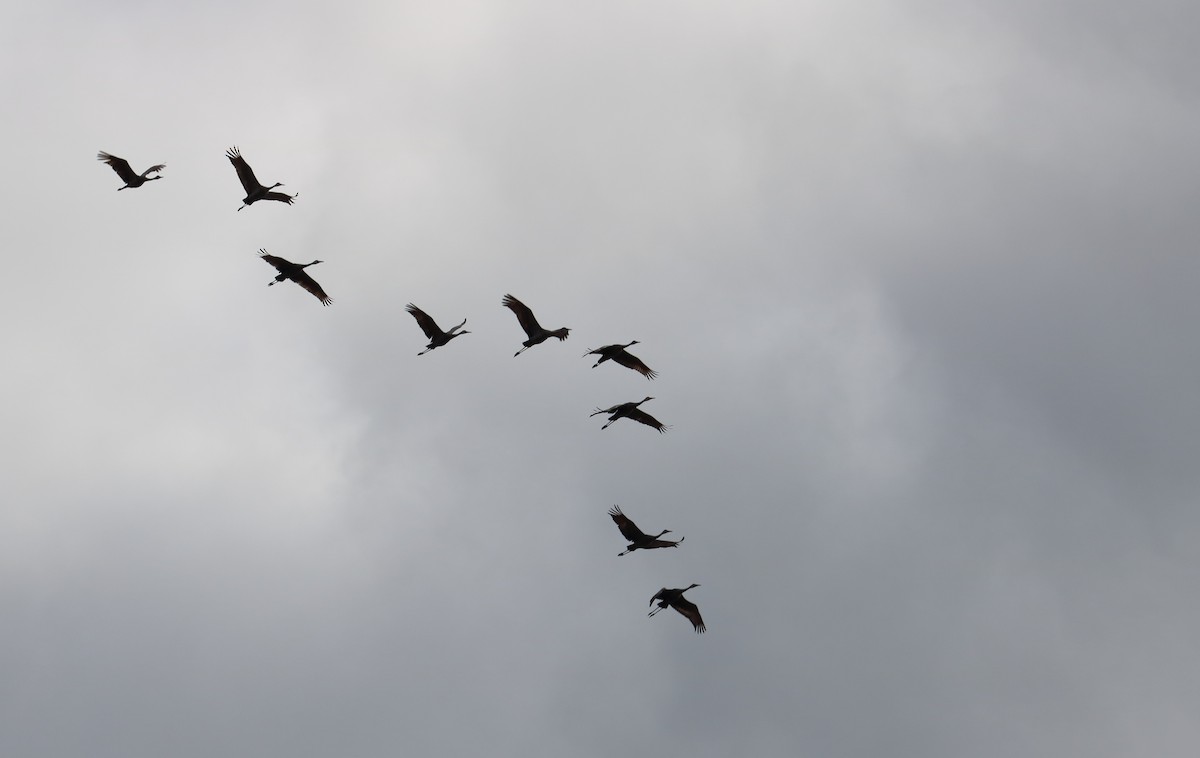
920	283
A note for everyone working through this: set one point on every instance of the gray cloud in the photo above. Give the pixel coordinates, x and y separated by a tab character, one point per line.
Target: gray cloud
917	285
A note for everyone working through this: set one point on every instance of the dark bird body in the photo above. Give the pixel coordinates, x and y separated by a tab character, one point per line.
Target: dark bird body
674	599
127	174
630	411
295	272
433	332
533	329
619	355
254	190
639	540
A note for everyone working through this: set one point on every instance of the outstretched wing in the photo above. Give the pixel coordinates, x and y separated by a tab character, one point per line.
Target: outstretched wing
244	172
121	166
627	527
281	197
690	612
281	264
657	543
524	315
307	282
427	324
630	361
637	414
613	409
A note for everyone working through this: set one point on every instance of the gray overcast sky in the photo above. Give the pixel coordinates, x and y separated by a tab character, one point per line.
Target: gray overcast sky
919	281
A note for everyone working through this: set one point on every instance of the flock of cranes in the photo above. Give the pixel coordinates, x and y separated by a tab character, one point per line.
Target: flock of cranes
535	335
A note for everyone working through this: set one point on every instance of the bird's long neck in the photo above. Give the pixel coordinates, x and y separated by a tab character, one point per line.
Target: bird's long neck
660	534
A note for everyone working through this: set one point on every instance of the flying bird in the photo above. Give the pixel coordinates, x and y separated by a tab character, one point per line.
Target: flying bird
295	272
675	599
638	540
254	190
630	411
127	174
618	354
433	332
532	328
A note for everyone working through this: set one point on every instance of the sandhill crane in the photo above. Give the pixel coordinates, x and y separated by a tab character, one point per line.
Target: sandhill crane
630	411
532	328
638	540
675	599
127	174
295	272
433	332
254	190
618	354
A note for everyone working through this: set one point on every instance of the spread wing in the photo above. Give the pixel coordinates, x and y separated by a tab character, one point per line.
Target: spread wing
427	324
307	282
656	543
279	263
244	172
627	527
605	351
281	197
613	409
630	361
690	612
524	315
121	166
639	415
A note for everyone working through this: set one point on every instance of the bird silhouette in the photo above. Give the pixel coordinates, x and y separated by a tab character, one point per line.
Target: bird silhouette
295	272
639	540
433	332
533	329
630	411
675	599
128	175
254	190
619	355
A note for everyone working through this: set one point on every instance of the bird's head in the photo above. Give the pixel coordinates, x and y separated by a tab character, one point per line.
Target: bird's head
276	184
694	585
